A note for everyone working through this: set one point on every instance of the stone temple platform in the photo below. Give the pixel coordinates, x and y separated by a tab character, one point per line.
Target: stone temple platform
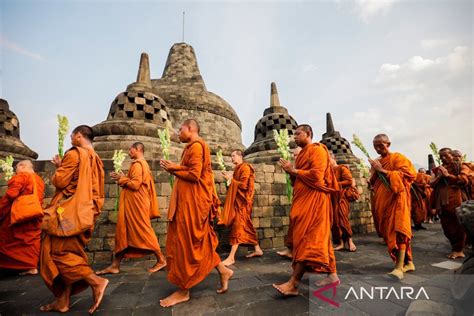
136	292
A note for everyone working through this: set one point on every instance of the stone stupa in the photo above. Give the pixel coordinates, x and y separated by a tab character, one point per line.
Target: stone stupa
10	142
275	117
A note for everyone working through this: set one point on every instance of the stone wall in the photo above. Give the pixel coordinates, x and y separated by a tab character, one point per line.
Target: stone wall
270	211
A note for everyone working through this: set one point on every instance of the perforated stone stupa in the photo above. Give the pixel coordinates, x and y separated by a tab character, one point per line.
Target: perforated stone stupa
10	142
340	147
275	117
135	115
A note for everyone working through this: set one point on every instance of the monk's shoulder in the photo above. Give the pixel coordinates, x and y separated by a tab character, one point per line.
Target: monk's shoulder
197	147
71	157
400	158
19	179
319	149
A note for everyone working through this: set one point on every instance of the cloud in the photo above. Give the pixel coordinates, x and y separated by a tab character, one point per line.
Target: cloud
424	73
365	10
418	101
434	43
14	47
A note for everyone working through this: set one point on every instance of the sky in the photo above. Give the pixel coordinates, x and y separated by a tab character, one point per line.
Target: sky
404	68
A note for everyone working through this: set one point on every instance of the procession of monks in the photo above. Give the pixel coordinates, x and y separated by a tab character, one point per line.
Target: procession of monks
319	215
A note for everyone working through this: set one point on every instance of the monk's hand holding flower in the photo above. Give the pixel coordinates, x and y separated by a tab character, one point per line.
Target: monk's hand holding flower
56	160
116	175
444	171
168	165
376	165
287	166
227	175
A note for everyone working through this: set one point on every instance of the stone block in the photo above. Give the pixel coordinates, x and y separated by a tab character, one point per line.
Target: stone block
279	178
262	200
267	211
274	200
103	257
259	177
277	222
268	233
265	222
113	216
109	244
256	222
106	230
285	220
164	189
268	177
95	244
266	243
265	189
268	168
278	242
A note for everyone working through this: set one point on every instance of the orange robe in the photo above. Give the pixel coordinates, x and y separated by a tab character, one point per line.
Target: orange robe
311	209
447	196
420	192
238	206
341	227
20	243
191	241
134	235
63	259
392	205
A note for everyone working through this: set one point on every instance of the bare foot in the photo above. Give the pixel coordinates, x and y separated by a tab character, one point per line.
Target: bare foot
409	267
228	262
456	254
55	307
331	278
397	274
98	292
177	297
109	270
255	254
29	272
225	275
287	289
352	246
339	247
286	253
157	267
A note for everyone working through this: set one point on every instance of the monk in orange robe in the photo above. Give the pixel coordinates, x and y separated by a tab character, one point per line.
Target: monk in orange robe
468	190
134	235
391	177
420	194
238	207
63	263
191	241
341	226
20	243
288	239
311	208
447	182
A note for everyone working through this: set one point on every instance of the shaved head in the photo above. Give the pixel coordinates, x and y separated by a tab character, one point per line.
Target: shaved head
383	137
193	125
85	131
25	166
26	163
238	152
139	146
307	129
446	149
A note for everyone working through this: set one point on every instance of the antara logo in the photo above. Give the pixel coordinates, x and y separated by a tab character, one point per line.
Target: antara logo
384	293
372	293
